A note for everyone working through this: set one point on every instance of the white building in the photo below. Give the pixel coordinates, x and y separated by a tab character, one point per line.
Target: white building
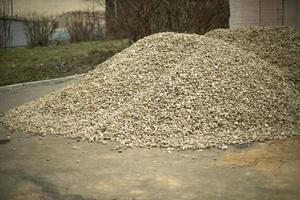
17	32
54	7
265	12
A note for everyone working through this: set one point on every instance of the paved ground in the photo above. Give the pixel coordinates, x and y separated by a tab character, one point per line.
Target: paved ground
33	167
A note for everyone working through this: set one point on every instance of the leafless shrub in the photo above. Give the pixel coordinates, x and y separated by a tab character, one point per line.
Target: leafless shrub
5	33
39	29
6	10
135	19
83	25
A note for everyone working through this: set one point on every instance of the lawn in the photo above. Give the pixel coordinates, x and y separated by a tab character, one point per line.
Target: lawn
30	64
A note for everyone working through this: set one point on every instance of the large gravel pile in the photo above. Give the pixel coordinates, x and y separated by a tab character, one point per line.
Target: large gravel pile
277	45
170	90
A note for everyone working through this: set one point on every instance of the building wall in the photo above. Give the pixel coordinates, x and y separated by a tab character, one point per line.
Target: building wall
271	12
244	12
298	14
290	12
18	33
53	7
19	38
265	13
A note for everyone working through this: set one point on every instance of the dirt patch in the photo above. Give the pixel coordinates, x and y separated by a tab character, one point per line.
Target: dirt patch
27	186
279	157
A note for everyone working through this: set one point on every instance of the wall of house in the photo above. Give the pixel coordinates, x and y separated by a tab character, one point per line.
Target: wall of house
53	7
265	13
290	12
244	12
271	12
298	14
19	38
18	34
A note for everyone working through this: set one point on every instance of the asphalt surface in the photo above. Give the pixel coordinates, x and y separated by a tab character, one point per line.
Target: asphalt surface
53	167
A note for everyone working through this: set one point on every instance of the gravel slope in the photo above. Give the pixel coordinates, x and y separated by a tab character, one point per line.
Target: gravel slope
170	90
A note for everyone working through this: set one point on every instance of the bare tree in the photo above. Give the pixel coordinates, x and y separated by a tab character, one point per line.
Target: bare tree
94	4
6	10
131	18
39	29
83	25
136	19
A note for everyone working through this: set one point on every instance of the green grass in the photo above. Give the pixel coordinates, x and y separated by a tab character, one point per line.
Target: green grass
29	64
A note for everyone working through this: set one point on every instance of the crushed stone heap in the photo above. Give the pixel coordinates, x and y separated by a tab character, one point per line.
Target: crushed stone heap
170	90
278	45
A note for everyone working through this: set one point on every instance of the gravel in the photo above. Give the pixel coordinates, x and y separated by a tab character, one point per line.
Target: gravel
278	45
170	90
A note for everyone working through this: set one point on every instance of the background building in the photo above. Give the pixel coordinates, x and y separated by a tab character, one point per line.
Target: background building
54	7
265	12
15	14
17	37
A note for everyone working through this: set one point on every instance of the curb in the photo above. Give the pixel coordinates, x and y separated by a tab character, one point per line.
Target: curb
43	82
